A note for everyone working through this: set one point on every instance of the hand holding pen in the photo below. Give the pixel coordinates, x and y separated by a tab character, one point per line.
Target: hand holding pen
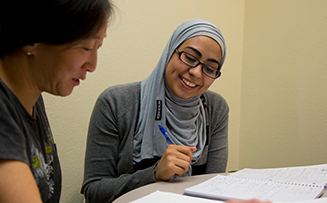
175	160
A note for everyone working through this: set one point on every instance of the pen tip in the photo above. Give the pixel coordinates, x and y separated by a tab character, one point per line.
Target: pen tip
161	128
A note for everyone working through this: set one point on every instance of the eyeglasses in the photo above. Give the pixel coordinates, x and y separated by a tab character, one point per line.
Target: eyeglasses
192	61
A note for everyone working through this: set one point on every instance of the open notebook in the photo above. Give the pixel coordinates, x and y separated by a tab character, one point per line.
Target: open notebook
275	184
168	197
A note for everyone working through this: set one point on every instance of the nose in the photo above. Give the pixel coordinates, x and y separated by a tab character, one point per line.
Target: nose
196	71
92	61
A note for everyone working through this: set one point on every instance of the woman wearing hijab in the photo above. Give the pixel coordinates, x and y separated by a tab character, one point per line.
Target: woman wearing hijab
125	147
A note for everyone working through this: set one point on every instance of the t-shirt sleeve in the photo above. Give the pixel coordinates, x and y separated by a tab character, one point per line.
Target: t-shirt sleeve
12	139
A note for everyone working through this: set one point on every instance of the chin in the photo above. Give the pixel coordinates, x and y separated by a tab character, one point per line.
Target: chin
66	93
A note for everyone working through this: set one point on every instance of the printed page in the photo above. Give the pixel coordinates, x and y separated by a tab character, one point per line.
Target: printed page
228	187
164	197
310	175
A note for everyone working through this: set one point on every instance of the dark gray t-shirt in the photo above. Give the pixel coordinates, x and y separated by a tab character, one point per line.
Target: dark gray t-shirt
29	139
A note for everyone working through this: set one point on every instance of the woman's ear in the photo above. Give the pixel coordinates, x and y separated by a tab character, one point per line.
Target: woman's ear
29	49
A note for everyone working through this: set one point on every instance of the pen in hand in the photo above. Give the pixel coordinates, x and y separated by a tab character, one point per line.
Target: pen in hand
164	132
193	149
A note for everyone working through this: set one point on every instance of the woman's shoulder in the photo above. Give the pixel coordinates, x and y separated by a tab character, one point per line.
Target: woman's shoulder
122	89
216	106
125	86
129	92
213	98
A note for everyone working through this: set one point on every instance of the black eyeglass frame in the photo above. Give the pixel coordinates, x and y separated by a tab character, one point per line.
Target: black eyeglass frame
218	73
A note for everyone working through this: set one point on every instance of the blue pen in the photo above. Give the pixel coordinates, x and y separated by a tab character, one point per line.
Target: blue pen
164	132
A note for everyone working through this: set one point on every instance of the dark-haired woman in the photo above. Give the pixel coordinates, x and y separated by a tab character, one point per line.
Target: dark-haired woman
45	46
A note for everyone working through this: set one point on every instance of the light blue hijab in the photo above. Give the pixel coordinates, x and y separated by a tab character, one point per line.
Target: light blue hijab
184	119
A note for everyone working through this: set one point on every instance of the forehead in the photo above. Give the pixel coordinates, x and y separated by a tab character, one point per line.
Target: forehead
205	45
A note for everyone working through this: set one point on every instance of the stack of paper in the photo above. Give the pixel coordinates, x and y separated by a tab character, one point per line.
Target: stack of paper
278	184
167	197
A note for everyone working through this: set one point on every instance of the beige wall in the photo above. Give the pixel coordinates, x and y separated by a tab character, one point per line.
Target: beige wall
274	84
284	84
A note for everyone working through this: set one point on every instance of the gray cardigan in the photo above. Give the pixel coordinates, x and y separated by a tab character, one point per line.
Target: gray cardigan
109	171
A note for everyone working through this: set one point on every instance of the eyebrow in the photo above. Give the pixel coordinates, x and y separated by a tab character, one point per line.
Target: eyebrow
199	53
98	37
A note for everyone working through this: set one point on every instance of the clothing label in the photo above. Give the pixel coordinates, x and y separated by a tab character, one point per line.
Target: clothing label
159	108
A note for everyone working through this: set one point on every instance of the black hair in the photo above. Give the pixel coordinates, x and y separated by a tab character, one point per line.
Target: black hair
24	22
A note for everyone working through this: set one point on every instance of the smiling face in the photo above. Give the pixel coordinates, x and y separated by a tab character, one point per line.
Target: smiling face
184	81
59	68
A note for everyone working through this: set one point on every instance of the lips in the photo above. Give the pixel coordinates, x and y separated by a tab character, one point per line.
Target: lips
76	81
80	78
188	83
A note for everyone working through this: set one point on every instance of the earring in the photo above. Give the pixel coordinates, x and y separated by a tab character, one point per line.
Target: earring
28	53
